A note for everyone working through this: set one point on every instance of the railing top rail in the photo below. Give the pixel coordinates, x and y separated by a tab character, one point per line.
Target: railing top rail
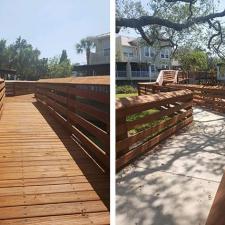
197	86
20	81
130	102
89	80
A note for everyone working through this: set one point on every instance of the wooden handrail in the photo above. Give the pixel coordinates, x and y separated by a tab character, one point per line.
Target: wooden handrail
216	214
15	88
84	111
2	95
143	121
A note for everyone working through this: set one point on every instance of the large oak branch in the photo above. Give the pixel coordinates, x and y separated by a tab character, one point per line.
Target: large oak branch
152	20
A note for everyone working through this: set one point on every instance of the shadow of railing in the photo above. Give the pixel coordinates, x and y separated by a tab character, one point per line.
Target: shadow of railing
195	156
98	179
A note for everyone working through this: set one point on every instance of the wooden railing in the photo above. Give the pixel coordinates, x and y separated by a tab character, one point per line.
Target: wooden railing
15	88
143	121
211	97
84	111
2	95
146	88
216	215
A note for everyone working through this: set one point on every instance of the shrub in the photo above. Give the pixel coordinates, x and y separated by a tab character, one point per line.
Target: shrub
125	89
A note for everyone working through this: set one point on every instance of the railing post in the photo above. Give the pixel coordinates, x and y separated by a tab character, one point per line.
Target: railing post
123	134
139	91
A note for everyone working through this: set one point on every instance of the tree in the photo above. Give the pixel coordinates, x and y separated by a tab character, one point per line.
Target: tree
63	56
57	69
86	45
193	60
4	58
174	22
24	58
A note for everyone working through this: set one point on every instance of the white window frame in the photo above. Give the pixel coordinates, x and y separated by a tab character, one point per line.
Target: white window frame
154	68
106	51
149	55
164	54
152	52
125	54
130	54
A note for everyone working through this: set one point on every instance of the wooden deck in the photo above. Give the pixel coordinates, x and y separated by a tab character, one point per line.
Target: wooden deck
45	177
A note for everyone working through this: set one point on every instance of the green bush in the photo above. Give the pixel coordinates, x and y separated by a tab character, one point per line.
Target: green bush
125	89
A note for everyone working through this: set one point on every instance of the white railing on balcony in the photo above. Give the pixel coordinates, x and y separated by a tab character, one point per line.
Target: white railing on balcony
121	73
140	73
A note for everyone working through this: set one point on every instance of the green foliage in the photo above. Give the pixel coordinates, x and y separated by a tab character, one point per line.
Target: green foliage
63	56
25	59
178	12
85	45
125	89
193	60
59	69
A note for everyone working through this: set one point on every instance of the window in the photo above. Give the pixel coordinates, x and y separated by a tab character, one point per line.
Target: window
167	54
106	51
125	54
128	54
153	68
146	52
131	54
164	54
152	52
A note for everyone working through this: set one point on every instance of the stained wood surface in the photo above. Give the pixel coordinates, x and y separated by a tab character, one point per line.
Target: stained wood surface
216	214
84	111
15	88
45	177
171	112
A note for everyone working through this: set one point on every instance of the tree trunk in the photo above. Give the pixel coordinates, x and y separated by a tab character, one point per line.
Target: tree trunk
88	52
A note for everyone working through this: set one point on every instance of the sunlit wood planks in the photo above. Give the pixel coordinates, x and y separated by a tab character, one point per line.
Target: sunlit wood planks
45	178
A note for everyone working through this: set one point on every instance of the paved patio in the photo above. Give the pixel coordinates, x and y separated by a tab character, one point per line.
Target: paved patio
175	185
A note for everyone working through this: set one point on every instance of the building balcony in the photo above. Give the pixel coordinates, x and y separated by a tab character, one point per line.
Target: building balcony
99	58
121	74
139	74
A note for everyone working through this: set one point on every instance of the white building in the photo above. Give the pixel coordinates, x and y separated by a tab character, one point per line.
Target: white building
135	61
102	50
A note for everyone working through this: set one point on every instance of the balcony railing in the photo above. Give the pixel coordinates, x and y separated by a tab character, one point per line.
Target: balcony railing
121	73
140	73
99	58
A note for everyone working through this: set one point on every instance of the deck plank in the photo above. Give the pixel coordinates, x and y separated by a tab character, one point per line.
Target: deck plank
45	177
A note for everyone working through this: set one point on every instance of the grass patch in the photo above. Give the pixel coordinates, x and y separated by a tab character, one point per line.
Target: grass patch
126	95
146	125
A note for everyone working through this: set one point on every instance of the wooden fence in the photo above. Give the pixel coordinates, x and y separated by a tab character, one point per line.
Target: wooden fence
84	111
211	97
216	215
15	88
2	95
143	121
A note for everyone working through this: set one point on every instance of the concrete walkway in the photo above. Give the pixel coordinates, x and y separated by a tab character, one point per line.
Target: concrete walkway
177	184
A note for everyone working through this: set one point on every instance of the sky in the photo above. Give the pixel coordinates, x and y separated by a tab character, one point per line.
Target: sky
54	25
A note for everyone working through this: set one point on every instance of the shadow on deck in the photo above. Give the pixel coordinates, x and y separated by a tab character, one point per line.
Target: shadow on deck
45	177
100	182
176	184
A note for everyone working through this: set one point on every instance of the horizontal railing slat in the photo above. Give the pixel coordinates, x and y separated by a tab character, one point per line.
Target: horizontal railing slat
87	121
139	129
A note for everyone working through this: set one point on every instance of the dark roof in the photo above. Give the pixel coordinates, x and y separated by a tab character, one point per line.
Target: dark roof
81	67
11	71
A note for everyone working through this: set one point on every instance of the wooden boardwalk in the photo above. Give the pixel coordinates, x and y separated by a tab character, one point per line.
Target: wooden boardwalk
45	177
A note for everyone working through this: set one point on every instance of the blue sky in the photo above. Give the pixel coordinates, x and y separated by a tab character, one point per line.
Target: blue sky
53	25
